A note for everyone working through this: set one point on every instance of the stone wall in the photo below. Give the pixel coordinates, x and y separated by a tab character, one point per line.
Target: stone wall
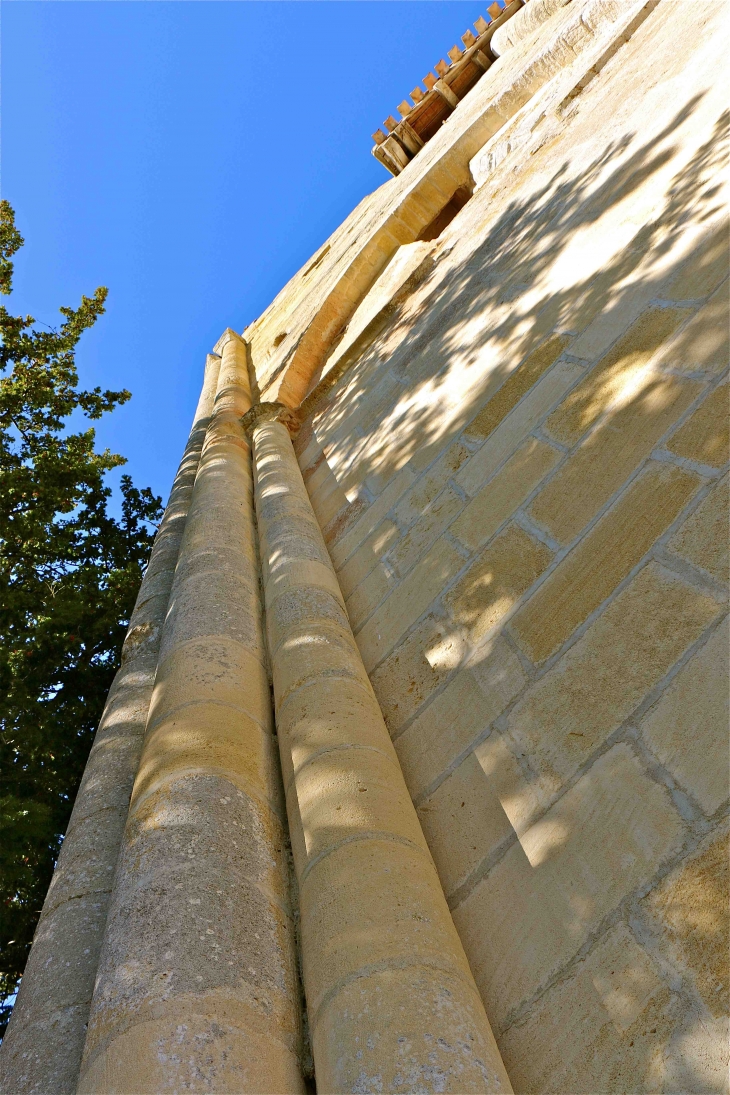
514	449
520	472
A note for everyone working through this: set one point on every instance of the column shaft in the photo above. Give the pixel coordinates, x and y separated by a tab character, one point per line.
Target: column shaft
41	1051
391	1000
197	987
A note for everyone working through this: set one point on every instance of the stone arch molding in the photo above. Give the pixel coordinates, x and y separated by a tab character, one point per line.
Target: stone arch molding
292	340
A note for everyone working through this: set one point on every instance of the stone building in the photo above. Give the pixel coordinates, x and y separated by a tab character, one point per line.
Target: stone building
414	776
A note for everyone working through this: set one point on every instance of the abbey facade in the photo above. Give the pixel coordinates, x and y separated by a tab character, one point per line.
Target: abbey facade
414	775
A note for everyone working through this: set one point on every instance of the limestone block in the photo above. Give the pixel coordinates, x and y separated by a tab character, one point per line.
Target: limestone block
534	910
463	711
86	864
216	670
211	738
343	547
615	375
408	676
329	499
703	539
311	571
309	727
421	536
697	1061
367	596
341	935
28	1066
523	24
430	484
319	474
212	1039
704	269
691	909
407	602
464	820
65	953
518	424
498	500
604	1028
367	556
240	561
224	475
704	342
292	613
325	651
482	597
570	711
114	758
609	455
345	791
392	1058
705	436
515	387
219	601
231	534
596	565
687	728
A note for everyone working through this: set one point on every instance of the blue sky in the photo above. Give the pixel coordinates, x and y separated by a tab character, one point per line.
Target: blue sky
191	155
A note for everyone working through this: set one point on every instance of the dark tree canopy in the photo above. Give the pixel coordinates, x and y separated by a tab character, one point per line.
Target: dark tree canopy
69	575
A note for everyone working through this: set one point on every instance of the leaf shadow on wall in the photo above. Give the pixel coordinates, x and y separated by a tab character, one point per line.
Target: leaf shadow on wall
541	266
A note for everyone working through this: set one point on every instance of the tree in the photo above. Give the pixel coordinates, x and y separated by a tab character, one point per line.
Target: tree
69	575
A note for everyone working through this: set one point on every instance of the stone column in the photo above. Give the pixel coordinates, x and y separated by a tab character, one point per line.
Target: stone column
197	987
41	1051
391	1001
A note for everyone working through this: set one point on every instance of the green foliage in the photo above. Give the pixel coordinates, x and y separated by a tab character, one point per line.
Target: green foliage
69	575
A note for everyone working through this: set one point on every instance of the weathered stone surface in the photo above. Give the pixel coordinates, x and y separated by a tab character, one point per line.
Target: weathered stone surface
704	269
342	548
602	559
609	455
567	310
521	421
498	500
464	820
704	342
204	837
409	600
705	436
687	728
571	711
464	1061
703	538
691	910
233	1051
213	739
354	831
488	590
604	1028
536	908
515	387
367	556
435	519
458	715
408	676
615	375
43	1045
366	597
430	484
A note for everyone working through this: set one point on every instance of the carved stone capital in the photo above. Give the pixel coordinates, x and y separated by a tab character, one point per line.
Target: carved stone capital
268	412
